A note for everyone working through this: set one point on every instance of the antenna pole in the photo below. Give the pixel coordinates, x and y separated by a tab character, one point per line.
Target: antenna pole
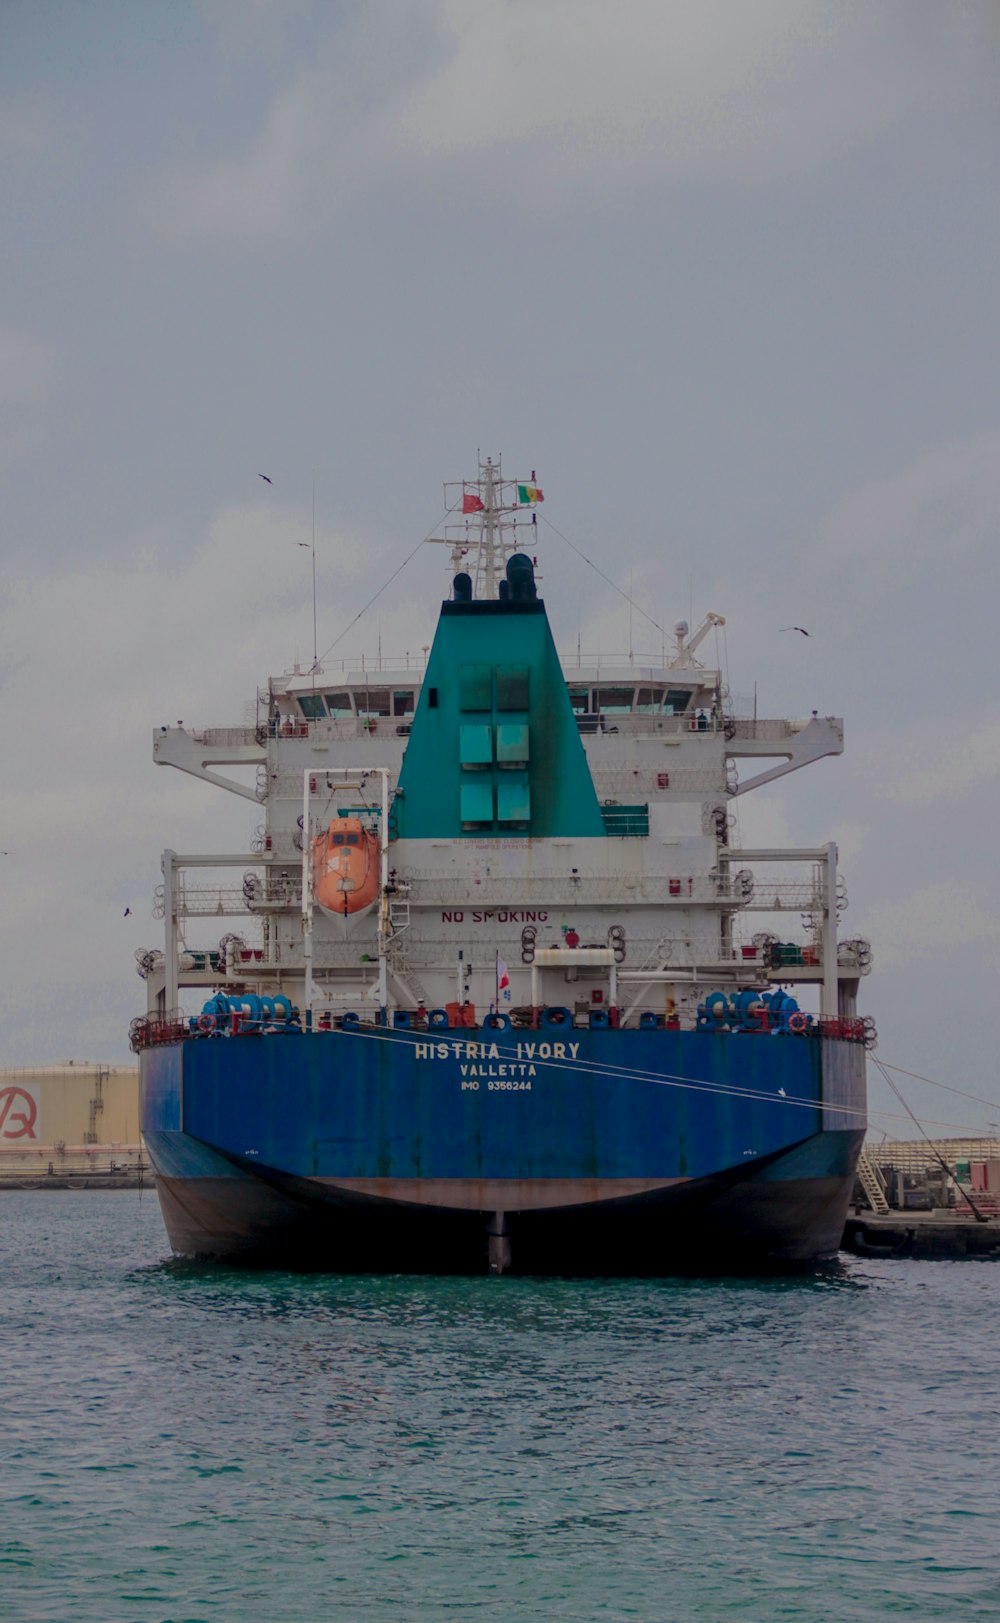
489	528
315	662
631	656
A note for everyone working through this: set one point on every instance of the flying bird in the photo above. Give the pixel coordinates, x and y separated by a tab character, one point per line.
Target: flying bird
126	913
803	630
265	478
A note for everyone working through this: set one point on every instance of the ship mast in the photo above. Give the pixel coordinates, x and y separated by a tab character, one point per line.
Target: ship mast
491	530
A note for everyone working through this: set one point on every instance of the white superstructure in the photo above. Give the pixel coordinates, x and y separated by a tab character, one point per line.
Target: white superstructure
666	891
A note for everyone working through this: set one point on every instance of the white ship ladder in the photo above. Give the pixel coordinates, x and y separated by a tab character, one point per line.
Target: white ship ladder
871	1182
399	914
658	959
399	920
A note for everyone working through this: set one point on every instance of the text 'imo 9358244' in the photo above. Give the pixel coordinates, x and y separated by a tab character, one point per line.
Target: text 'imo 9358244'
502	1006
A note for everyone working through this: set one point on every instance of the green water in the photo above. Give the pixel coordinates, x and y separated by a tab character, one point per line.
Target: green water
184	1443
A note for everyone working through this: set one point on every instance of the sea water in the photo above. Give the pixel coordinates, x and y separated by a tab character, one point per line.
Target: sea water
184	1442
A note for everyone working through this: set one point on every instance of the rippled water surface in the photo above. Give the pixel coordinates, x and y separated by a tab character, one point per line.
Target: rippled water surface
186	1443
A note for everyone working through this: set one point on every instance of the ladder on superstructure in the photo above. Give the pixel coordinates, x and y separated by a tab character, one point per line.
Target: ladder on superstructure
399	919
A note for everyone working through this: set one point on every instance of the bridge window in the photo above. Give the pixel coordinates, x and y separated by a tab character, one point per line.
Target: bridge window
579	698
402	704
311	705
373	702
339	705
677	701
614	701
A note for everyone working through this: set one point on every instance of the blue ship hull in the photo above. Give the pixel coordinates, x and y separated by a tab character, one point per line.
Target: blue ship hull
591	1151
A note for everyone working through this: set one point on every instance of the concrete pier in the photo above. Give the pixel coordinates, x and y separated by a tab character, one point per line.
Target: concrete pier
132	1177
925	1235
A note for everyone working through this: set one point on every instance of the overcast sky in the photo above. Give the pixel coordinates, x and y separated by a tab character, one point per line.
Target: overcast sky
724	273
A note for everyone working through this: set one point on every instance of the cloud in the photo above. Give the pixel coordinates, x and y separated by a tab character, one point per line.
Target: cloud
28	369
851	839
262	192
94	659
162	631
27	125
930	923
537	103
248	28
946	499
925	764
601	91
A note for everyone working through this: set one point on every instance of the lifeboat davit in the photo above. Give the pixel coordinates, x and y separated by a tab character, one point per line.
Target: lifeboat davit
345	868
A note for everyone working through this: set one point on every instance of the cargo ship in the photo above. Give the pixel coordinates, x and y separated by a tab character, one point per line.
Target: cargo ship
494	999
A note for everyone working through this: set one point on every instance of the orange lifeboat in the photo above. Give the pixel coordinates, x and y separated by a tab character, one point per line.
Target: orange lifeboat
345	867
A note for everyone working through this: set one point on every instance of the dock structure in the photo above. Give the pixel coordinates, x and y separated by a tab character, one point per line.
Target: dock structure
927	1198
935	1235
71	1126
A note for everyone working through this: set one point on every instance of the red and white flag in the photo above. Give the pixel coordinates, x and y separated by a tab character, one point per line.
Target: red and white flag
503	979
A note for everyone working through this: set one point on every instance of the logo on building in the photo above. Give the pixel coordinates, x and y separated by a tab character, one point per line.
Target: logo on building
18	1113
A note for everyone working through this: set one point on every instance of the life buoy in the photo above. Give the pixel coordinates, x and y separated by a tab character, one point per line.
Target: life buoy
206	1022
798	1022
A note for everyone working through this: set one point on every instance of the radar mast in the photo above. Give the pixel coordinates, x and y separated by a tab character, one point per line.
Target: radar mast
492	527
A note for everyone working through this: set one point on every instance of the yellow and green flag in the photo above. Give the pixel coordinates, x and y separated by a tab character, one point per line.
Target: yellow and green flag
529	493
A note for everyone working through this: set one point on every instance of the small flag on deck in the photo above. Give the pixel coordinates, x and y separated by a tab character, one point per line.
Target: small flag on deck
529	493
503	979
472	504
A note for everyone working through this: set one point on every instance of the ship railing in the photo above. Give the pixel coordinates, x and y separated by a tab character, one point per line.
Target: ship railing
588	722
504	899
229	901
758	1020
598	667
761	1023
332	729
356	667
858	1029
778	955
693	724
225	737
153	1031
765	729
642	723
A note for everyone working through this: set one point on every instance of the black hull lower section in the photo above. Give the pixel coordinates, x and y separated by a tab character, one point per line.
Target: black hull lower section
721	1223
